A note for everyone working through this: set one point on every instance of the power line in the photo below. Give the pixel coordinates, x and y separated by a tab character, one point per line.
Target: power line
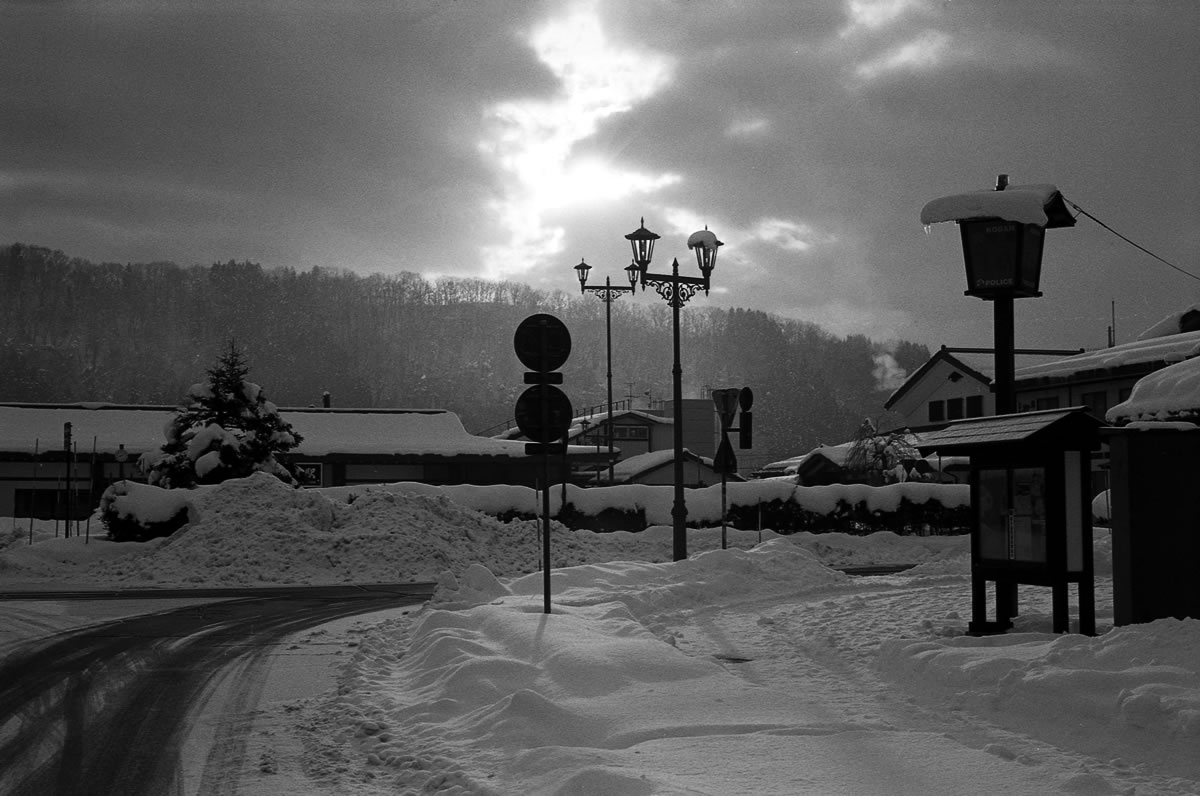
1131	243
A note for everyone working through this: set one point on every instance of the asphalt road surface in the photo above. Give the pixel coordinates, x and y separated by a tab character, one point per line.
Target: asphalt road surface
104	710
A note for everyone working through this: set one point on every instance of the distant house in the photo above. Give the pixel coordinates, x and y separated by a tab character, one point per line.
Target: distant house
637	432
1103	378
658	468
944	388
823	465
634	432
949	387
341	446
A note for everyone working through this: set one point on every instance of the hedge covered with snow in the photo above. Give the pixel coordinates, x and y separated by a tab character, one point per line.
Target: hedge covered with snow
135	512
776	504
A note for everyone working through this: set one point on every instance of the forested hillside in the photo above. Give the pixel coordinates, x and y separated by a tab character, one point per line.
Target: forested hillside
72	330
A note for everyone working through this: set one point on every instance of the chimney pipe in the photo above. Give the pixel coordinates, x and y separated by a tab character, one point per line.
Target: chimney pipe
326	399
1001	182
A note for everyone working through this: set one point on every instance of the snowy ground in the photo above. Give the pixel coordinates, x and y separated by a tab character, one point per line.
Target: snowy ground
753	670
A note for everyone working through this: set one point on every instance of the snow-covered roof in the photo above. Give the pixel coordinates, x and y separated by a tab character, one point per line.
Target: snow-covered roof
1172	348
26	427
628	469
1025	204
1175	323
1172	393
593	419
836	454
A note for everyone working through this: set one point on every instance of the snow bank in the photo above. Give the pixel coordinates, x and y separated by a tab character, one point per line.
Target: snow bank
1136	688
259	530
778	566
552	703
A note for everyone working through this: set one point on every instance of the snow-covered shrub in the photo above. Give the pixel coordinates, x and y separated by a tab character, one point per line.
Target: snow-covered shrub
133	512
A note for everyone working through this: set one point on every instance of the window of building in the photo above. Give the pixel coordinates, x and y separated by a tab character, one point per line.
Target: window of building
974	406
937	411
1096	402
954	409
631	432
1047	403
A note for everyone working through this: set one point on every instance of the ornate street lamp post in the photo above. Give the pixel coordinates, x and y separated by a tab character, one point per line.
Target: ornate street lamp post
608	294
676	290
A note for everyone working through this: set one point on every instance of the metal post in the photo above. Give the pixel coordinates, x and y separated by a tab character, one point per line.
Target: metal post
37	468
1005	344
1006	404
679	509
546	532
724	481
608	346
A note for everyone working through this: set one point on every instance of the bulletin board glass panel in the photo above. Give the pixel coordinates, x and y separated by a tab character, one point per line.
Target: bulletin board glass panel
993	514
1028	540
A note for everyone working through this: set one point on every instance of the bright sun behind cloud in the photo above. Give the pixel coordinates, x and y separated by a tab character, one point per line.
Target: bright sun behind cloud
531	141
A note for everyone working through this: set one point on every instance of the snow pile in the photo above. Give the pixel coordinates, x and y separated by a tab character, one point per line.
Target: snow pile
1136	689
754	671
598	697
259	530
779	567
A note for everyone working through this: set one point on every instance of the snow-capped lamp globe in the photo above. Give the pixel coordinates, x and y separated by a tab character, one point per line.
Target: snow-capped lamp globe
1003	235
705	244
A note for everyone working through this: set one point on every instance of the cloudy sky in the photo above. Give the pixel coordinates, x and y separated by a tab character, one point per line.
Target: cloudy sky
510	139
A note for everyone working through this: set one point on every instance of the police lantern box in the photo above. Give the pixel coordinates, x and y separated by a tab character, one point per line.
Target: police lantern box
1031	509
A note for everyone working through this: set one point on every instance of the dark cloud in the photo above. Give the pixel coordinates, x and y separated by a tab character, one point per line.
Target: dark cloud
348	135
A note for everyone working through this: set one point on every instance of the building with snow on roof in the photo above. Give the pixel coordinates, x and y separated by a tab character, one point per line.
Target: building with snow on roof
40	478
951	386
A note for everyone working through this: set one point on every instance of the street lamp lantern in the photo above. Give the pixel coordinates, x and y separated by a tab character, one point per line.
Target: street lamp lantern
705	243
1003	251
642	241
581	271
634	273
1003	258
1003	236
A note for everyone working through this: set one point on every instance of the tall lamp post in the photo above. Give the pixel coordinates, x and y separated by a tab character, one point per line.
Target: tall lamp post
676	290
608	294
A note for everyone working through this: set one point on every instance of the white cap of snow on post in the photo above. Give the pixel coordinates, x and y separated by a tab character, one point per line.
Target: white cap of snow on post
1025	204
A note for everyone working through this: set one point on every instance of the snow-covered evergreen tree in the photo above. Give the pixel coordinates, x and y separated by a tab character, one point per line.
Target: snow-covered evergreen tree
225	428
